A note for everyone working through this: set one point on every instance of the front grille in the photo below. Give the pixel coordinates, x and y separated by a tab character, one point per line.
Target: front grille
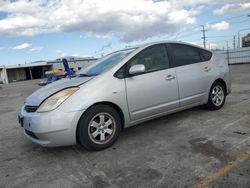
31	134
30	109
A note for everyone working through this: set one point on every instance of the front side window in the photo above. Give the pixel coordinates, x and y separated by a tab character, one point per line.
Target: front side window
154	58
184	55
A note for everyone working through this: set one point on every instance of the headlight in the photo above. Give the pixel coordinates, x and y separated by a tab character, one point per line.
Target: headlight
55	100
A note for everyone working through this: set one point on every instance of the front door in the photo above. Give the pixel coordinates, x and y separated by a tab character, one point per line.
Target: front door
156	90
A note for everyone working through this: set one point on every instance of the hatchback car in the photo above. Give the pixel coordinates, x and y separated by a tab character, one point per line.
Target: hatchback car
122	89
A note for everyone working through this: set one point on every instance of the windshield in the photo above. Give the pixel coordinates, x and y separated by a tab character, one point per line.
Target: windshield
105	63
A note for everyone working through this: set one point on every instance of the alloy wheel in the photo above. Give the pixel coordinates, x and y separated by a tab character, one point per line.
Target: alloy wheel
101	128
217	95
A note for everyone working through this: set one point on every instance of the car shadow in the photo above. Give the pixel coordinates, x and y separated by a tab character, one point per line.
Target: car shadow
128	133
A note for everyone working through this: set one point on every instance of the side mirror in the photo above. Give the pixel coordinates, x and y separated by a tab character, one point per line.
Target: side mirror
137	69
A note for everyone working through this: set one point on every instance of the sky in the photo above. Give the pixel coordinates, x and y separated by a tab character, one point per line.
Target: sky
33	30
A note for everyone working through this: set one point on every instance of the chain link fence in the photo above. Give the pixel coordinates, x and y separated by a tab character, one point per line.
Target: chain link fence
236	55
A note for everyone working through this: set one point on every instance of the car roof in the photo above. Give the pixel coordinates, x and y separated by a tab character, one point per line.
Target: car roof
161	42
172	42
158	42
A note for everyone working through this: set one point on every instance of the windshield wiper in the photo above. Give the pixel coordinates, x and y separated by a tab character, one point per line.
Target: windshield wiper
84	75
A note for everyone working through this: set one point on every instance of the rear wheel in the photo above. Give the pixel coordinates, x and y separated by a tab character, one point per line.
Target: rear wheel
217	96
99	127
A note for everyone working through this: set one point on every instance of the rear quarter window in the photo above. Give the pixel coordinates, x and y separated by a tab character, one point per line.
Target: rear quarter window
206	55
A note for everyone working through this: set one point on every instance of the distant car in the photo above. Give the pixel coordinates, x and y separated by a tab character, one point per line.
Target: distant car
122	89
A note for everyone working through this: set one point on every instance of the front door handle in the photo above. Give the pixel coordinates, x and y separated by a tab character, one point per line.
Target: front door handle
206	69
170	77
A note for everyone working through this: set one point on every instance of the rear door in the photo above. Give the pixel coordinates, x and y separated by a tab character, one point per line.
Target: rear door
193	73
154	91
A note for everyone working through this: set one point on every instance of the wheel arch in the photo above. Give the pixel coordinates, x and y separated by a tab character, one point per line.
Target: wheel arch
222	82
111	104
116	107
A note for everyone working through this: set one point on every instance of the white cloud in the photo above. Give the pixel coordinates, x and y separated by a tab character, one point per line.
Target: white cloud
233	8
128	20
181	16
22	46
27	46
213	46
221	26
58	51
61	53
36	48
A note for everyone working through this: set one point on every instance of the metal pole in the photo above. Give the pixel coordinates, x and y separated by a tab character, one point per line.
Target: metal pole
227	54
234	42
204	35
239	39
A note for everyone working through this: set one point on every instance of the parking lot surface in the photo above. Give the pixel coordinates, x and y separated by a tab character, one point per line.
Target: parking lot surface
192	148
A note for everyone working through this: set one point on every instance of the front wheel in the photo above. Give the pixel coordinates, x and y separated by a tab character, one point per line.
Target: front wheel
217	96
99	127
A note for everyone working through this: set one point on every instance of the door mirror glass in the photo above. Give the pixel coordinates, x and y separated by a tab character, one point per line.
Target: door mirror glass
137	69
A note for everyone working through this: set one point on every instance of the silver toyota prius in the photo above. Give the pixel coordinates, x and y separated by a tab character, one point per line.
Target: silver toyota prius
122	89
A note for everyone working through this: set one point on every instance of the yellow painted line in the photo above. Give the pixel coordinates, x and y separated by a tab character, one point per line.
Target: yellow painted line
222	171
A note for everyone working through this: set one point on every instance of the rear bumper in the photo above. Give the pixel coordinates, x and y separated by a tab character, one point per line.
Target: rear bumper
54	128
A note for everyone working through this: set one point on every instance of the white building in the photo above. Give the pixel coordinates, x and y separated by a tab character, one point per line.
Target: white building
76	63
35	70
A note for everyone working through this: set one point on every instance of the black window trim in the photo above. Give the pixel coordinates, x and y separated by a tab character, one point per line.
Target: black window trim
126	65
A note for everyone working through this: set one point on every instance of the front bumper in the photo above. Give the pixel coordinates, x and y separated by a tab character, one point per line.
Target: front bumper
54	128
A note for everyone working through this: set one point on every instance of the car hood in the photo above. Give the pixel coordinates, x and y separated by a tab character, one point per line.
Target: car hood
36	98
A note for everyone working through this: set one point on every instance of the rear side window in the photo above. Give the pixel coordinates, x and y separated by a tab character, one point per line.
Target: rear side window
184	55
154	58
206	55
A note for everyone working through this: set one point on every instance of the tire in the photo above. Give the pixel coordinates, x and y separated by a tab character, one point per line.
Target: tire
217	96
99	127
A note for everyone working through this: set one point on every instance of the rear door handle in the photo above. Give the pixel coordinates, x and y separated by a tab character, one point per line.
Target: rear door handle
170	77
207	69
